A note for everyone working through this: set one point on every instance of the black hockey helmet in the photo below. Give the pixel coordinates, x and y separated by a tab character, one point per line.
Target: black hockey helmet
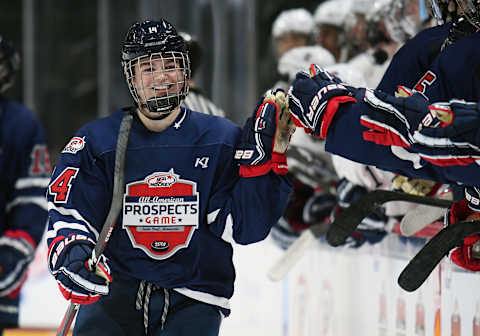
152	40
9	64
195	52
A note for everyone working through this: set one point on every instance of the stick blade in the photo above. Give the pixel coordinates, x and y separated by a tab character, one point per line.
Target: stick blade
348	220
418	218
420	267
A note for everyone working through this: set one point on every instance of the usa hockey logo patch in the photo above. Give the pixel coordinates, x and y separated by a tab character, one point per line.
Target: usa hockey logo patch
161	213
75	145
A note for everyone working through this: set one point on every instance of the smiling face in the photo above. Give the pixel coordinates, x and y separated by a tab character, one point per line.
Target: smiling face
158	82
158	77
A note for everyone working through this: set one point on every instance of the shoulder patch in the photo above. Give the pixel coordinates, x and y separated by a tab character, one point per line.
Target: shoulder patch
74	145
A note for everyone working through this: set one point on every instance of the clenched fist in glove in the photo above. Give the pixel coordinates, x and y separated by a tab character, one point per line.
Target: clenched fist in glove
69	261
392	121
314	99
467	255
455	143
265	137
16	252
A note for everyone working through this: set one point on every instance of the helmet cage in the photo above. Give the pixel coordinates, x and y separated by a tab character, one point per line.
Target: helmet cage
158	81
470	9
443	10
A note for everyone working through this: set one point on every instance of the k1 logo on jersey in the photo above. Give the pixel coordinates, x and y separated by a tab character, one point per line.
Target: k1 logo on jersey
75	145
161	213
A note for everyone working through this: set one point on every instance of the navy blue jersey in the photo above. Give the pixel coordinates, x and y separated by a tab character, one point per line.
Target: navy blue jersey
24	177
414	58
345	139
455	73
184	203
25	171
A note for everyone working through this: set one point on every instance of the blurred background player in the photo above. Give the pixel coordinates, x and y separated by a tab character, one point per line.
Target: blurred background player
356	27
310	167
330	17
380	47
300	58
292	28
196	99
25	172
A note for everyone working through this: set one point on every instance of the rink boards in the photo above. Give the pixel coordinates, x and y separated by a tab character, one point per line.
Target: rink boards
329	292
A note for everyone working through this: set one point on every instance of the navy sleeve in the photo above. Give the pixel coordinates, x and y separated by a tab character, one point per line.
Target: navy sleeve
454	72
243	210
27	170
78	190
413	59
345	139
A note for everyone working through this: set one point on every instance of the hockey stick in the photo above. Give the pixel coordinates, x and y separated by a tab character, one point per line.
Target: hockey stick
295	251
420	267
115	207
347	221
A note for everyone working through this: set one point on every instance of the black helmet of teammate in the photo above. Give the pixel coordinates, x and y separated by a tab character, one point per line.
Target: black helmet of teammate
195	52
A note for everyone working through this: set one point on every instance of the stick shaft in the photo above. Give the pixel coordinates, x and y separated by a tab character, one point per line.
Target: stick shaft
104	236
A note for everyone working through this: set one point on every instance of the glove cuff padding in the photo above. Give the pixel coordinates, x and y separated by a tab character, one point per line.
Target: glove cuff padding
332	108
463	257
277	164
68	262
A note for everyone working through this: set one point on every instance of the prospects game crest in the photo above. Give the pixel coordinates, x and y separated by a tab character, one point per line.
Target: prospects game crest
161	213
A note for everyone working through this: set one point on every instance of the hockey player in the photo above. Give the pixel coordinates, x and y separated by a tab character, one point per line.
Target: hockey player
196	99
185	200
408	142
25	174
329	18
412	61
299	58
292	28
312	172
438	142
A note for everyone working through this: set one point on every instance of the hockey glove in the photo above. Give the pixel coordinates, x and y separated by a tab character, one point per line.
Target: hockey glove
304	209
69	260
392	121
265	137
415	186
455	144
314	99
16	252
467	255
372	229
